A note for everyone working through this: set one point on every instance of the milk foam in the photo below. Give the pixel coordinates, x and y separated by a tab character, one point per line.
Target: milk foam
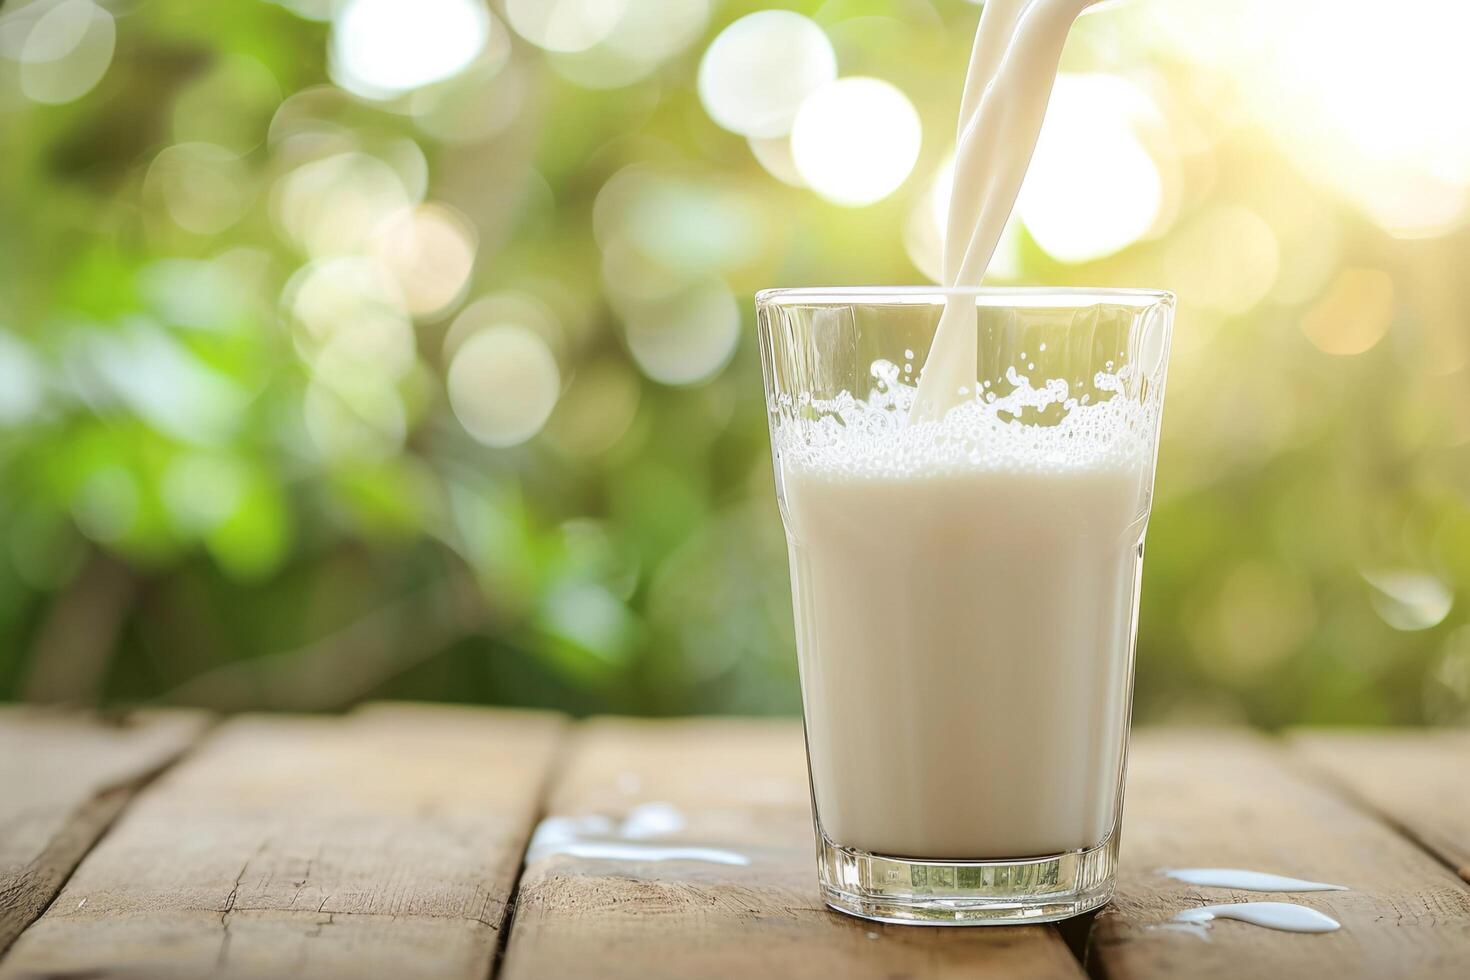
873	436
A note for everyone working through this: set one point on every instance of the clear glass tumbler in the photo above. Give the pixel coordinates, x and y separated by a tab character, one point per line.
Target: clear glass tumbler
966	589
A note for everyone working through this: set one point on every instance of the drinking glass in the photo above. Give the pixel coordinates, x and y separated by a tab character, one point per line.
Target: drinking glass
966	589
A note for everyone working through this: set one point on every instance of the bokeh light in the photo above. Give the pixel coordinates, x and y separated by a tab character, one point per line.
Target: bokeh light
383	48
106	505
760	69
480	103
1092	188
209	294
203	187
1193	268
1353	314
430	251
690	226
354	417
1408	599
352	329
349	318
774	153
564	25
66	51
503	384
518	307
202	490
685	338
145	370
645	35
628	276
856	141
22	383
336	204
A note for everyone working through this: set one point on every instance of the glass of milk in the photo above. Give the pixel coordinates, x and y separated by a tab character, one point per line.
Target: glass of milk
966	587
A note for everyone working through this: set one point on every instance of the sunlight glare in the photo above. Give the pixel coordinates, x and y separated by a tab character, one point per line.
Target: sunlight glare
383	48
856	141
1092	188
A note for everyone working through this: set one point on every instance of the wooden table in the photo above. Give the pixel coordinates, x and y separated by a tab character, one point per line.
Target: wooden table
393	842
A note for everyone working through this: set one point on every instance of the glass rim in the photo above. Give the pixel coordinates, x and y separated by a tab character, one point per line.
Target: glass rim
1035	296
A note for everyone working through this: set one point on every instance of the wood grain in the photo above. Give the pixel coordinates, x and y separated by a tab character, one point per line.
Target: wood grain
1420	780
63	779
1225	799
382	844
738	788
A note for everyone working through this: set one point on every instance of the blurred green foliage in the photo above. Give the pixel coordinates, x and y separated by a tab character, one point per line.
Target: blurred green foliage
196	507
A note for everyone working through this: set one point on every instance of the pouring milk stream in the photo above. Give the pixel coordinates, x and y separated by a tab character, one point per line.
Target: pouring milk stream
1013	66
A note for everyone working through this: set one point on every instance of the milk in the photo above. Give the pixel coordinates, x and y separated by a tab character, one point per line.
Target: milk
965	644
964	584
1013	66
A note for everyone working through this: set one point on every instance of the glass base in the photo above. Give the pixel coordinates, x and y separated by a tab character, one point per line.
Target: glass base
966	893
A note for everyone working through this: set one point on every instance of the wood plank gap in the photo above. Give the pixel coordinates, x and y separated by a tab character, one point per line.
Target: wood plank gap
1077	934
100	813
1413	781
1345	791
69	777
380	844
561	756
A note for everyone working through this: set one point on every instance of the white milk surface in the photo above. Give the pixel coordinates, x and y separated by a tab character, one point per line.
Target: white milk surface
964	624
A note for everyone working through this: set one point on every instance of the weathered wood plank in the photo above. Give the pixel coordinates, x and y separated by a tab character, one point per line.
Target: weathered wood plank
726	882
63	779
1220	799
382	844
1420	780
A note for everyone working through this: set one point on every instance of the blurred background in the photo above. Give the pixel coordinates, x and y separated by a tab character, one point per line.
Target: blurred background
376	348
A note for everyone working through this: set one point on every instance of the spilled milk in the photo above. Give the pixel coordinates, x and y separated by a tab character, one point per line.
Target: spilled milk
1273	915
1248	881
1284	916
598	837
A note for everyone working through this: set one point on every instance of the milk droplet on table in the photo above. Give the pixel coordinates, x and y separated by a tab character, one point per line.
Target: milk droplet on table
1272	915
1250	881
